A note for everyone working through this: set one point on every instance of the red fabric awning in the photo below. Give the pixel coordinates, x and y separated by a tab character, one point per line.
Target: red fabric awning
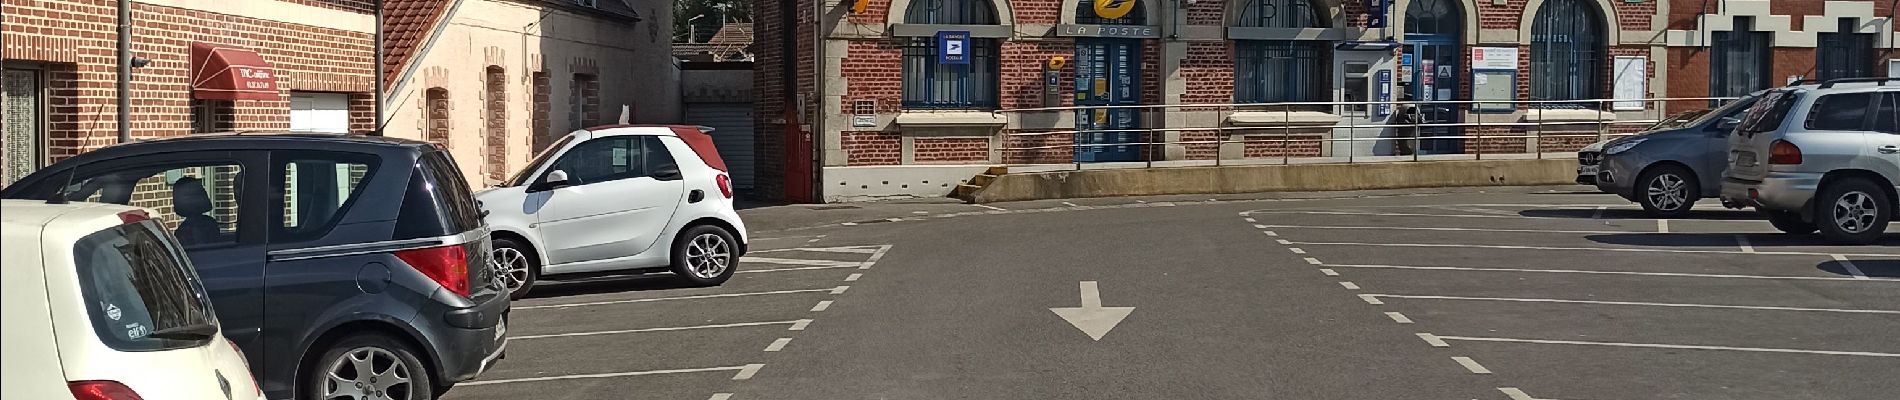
230	73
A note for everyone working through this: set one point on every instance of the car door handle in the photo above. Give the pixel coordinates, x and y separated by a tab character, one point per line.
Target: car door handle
1889	149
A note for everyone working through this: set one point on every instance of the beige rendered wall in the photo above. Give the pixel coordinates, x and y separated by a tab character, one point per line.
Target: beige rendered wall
633	63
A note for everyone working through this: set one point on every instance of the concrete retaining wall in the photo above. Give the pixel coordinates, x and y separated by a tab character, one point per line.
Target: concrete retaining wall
1275	178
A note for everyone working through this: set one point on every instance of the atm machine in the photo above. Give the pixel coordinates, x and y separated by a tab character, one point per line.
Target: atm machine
1364	72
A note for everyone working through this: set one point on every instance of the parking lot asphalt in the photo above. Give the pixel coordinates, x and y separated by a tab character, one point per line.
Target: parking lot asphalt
1515	294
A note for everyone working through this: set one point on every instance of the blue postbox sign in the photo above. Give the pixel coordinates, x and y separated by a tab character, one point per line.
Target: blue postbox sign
953	47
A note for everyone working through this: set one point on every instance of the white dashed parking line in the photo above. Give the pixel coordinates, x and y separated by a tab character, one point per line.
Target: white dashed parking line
1631	303
822	305
747	372
1349	285
1471	365
1849	266
1399	318
778	344
647	330
1618	249
1672	346
1576	271
742	369
703	296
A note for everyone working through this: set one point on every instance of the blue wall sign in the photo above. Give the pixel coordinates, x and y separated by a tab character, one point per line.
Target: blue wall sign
1405	59
1375	13
1384	96
953	47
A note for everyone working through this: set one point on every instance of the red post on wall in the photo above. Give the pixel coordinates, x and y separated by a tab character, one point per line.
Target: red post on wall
798	158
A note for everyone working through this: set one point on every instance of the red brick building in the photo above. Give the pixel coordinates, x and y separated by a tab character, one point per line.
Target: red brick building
884	111
60	71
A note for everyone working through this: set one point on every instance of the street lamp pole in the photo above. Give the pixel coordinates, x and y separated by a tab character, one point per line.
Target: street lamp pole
377	127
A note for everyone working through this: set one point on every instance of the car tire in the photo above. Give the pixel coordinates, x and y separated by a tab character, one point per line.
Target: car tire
1668	191
387	358
518	266
1789	222
705	255
1852	211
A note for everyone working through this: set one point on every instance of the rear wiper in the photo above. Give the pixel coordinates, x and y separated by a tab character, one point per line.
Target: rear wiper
198	331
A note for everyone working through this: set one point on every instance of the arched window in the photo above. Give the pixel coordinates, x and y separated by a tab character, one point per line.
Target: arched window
1272	71
1567	53
931	84
1085	14
1434	17
495	156
436	109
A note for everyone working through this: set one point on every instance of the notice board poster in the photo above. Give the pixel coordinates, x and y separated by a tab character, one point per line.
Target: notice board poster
1631	77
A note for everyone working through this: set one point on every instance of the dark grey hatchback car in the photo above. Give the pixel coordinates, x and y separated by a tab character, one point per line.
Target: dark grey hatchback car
343	266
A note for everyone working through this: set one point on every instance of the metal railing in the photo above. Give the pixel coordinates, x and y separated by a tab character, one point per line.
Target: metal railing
1471	129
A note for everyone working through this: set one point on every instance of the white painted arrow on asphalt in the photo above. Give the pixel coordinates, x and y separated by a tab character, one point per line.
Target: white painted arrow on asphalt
1091	317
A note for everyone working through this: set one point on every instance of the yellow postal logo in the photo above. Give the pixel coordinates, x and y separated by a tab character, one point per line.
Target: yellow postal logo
1113	9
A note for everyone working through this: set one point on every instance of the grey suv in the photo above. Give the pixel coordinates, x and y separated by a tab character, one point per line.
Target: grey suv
342	266
1823	157
1667	169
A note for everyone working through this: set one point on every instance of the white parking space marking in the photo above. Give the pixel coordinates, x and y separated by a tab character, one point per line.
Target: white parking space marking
1575	271
1672	346
1443	229
1849	266
1432	340
1621	249
1271	233
800	325
1516	394
840	289
720	396
1471	365
1070	204
1598	214
757	271
1314	261
1250	220
1633	303
1372	299
1742	242
747	371
796	261
876	254
1283	241
645	330
853	277
778	344
846	249
703	296
1328	272
1259	226
1399	318
1662	226
611	375
822	305
1349	285
1296	250
991	207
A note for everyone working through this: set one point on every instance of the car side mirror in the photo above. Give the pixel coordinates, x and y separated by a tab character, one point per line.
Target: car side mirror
556	179
667	173
1728	124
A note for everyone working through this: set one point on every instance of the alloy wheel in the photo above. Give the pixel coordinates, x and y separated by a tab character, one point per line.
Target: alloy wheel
367	373
708	255
1854	212
1668	192
512	265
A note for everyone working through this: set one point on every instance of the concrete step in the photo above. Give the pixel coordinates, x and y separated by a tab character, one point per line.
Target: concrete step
982	179
997	170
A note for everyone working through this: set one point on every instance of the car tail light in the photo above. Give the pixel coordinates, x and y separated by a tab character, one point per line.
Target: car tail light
1784	153
102	390
725	185
255	388
133	217
446	265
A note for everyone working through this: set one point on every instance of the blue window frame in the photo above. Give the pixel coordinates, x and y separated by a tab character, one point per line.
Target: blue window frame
1843	53
1738	60
1278	14
1567	54
1271	71
1085	14
931	85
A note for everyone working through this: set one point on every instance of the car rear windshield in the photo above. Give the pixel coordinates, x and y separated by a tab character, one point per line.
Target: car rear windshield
438	202
1768	114
136	283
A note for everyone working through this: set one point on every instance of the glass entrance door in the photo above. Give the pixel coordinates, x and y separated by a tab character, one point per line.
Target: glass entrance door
1436	63
1108	73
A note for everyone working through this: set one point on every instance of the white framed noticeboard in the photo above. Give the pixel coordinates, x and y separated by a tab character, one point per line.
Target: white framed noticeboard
1630	76
1893	68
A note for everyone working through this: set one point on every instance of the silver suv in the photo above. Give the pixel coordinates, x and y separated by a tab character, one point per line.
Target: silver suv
1821	157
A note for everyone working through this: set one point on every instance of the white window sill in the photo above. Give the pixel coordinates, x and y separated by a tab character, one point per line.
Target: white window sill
950	119
1279	118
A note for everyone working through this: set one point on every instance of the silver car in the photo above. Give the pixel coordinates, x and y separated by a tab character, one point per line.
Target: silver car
1668	168
1823	157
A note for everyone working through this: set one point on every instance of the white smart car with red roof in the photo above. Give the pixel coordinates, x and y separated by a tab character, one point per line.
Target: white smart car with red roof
618	199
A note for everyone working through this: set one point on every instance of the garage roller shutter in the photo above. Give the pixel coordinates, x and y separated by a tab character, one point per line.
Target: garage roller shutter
732	133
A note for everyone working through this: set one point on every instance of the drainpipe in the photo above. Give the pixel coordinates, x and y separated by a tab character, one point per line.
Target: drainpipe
818	99
125	71
377	128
